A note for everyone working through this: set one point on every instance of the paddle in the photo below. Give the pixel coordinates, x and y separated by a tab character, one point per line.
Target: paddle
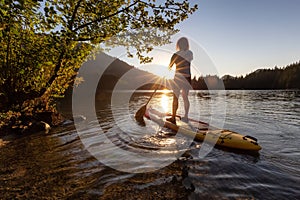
139	115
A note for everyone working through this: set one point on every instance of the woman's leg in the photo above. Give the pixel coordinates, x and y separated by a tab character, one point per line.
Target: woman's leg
175	104
185	94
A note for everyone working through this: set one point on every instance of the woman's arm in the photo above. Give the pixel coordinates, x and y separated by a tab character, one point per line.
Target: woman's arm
172	61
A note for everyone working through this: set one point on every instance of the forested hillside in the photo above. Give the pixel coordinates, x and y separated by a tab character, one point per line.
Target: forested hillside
278	78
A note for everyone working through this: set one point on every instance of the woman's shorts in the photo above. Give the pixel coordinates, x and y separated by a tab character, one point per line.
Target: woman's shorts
181	83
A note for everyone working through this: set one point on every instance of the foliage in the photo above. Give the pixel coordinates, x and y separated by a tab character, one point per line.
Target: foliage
131	23
45	42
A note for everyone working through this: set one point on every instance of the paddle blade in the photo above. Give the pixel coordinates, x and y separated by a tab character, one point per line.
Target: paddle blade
139	115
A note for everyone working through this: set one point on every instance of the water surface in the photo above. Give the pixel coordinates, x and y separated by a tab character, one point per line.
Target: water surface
58	165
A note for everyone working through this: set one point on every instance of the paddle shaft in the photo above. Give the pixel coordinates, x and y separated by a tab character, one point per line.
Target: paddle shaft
151	96
141	112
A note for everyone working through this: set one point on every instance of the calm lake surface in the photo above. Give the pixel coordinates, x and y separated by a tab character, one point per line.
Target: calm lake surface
59	166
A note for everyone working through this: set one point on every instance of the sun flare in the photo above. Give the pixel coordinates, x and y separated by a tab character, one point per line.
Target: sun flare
159	70
166	73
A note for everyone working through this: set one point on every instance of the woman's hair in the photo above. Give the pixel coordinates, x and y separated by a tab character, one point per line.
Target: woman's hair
182	44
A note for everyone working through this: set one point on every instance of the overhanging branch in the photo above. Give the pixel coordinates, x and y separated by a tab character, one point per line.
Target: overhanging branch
106	17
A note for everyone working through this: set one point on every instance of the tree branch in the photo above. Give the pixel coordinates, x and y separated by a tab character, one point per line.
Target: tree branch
106	17
71	23
162	7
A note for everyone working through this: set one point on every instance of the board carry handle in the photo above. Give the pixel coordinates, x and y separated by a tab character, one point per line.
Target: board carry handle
250	137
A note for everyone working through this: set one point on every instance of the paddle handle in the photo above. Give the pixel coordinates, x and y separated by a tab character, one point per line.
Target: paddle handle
152	95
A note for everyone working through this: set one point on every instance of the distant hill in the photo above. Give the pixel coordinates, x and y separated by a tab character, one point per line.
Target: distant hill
108	71
278	78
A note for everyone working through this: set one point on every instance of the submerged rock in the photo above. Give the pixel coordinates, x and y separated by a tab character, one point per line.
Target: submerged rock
37	126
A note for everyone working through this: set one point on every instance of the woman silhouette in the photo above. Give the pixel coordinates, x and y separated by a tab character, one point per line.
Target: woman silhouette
182	79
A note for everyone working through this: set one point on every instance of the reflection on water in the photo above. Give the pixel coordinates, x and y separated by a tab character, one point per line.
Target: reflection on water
58	166
165	103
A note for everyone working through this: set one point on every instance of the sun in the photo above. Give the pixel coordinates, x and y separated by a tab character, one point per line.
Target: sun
160	70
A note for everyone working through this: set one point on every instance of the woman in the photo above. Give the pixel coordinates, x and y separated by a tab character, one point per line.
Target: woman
182	79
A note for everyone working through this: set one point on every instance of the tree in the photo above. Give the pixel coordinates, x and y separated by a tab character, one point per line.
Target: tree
97	21
45	42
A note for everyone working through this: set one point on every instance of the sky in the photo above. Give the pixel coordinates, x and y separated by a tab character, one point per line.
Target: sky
237	37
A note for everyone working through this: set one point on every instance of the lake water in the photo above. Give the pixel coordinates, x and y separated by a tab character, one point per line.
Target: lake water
135	162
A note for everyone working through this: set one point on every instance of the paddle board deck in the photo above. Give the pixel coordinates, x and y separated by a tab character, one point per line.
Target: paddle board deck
201	131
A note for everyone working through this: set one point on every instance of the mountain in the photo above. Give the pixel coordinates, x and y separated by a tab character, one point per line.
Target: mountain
110	72
99	77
